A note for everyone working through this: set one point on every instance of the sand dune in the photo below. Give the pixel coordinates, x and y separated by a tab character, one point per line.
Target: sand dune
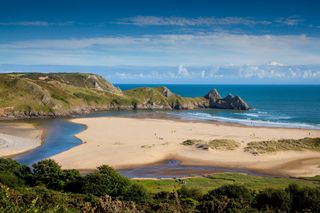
128	142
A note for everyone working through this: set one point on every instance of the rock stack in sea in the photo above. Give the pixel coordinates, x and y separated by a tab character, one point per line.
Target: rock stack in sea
228	102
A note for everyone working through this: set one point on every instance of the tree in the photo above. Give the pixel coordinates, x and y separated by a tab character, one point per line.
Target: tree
48	173
105	181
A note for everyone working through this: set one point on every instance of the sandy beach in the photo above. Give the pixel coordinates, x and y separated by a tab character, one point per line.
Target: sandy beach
18	137
129	142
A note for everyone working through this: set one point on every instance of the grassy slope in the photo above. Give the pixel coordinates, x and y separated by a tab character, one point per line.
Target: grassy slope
206	184
154	96
65	93
262	147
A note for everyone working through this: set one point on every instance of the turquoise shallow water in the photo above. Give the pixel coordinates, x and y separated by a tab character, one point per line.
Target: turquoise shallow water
296	106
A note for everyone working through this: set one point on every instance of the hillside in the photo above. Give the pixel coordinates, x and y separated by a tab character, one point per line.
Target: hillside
24	95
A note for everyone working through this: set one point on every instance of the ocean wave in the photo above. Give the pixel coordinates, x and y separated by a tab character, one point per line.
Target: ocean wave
249	122
248	114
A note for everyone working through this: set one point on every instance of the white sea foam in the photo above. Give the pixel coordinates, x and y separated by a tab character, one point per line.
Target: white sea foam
248	114
249	121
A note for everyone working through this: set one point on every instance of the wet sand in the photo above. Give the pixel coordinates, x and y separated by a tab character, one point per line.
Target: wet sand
18	137
132	142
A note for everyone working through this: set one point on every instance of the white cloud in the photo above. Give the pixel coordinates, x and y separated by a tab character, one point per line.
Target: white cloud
183	21
35	23
183	71
274	63
167	49
290	21
205	21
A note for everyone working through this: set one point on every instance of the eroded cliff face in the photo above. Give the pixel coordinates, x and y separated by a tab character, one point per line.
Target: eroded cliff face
61	94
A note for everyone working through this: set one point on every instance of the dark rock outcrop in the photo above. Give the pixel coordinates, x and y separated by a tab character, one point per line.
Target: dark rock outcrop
228	102
213	96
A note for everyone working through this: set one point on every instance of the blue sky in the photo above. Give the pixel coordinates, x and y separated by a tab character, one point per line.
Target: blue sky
210	42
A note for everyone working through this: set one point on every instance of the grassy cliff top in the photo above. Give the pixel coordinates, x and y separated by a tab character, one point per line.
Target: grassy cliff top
49	94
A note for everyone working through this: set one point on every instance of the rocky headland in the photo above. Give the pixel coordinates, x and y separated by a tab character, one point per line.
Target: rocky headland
28	95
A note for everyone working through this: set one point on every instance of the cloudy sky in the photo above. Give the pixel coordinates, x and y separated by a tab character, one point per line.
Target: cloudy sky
167	41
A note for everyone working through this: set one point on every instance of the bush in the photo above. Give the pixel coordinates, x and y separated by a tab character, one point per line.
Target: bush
137	193
48	173
273	199
105	181
228	197
185	192
304	199
13	174
213	205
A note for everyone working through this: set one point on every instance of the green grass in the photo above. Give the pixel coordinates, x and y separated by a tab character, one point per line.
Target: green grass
213	181
55	93
223	144
63	93
262	147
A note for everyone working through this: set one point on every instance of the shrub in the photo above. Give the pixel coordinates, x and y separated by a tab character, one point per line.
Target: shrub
185	192
12	173
273	199
105	181
227	198
136	193
304	199
48	173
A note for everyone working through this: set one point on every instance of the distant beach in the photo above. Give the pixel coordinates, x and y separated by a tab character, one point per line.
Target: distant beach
130	142
17	138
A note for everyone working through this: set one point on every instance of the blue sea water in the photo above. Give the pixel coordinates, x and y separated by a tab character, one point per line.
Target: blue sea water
296	106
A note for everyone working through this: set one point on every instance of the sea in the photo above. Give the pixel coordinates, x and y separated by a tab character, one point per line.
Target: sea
292	106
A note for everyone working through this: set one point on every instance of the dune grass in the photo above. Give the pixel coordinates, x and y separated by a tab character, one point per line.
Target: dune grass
216	144
224	144
262	147
191	142
213	181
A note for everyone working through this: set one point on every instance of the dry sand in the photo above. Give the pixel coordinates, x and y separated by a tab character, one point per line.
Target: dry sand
16	138
128	142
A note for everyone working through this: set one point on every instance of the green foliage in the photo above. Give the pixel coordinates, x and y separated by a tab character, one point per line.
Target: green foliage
228	198
304	199
187	192
55	190
13	174
137	193
273	200
48	173
105	181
